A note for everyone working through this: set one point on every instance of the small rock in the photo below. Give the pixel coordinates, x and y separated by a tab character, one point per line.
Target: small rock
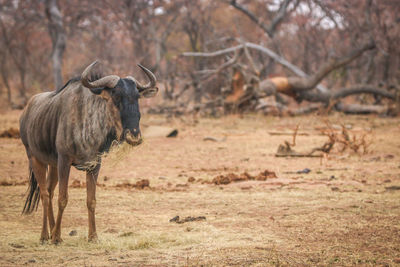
16	245
210	138
335	188
31	261
73	233
389	156
306	170
175	219
393	187
191	179
174	133
246	187
332	177
387	181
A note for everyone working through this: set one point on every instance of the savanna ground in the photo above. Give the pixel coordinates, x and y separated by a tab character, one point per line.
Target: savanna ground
346	211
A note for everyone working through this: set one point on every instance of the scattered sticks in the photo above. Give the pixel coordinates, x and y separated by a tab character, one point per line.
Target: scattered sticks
343	139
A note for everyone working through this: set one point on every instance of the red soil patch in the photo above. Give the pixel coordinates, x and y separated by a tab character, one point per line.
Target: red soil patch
232	177
7	183
138	185
10	133
78	184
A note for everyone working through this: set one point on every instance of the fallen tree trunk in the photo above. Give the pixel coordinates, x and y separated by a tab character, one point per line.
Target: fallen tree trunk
296	86
360	109
304	87
263	49
292	85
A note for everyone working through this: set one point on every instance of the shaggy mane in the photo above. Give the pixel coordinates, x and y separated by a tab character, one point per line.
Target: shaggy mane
93	77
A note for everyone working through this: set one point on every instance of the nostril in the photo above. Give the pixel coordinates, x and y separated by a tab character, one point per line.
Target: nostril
136	132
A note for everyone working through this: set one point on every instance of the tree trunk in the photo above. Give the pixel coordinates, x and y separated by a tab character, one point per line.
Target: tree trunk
4	76
58	38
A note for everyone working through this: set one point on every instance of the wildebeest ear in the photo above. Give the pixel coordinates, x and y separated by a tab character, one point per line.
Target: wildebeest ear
147	93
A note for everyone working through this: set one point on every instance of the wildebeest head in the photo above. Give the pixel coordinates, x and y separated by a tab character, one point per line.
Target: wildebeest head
125	94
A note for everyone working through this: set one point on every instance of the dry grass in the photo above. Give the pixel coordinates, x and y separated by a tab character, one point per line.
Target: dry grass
338	214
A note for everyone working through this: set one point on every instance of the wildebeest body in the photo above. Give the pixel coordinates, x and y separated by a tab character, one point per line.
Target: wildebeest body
73	126
74	121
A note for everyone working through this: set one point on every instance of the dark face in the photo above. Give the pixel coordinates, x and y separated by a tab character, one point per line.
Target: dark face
125	96
127	100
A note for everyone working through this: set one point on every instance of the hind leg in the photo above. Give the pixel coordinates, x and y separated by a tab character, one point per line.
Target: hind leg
52	180
64	166
39	170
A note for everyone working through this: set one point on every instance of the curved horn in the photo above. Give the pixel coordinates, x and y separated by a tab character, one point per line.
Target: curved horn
150	75
109	81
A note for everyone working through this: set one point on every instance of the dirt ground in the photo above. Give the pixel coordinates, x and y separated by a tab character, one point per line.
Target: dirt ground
345	211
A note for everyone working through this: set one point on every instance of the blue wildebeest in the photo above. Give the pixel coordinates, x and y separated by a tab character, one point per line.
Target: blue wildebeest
73	126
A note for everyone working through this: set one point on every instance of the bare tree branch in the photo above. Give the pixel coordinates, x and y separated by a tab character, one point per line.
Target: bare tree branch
263	49
362	89
360	109
280	15
301	84
276	20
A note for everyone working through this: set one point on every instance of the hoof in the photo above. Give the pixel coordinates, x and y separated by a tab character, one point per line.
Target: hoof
93	238
56	240
44	238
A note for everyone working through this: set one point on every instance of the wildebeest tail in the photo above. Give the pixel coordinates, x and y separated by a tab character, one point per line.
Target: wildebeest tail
33	197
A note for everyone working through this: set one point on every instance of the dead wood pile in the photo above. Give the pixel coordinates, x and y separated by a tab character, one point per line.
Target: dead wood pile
247	90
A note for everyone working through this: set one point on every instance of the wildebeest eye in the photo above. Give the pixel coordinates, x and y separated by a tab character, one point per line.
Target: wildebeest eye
97	91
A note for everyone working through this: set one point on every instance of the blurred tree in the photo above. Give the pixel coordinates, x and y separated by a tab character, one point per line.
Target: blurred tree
58	39
19	24
155	33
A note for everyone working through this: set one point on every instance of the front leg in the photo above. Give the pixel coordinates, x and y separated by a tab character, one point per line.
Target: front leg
52	180
91	179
